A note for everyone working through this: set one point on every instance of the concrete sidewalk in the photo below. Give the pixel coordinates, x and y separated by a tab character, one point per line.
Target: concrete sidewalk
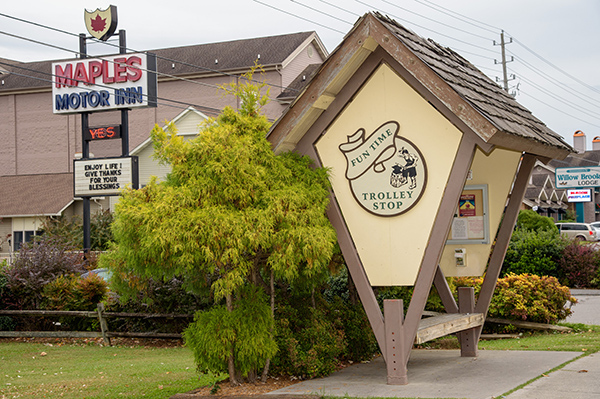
444	374
577	380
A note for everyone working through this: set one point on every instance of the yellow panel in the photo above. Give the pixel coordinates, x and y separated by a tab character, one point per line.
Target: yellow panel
497	170
391	247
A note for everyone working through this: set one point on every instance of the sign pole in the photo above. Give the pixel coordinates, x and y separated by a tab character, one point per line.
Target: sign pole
85	154
124	112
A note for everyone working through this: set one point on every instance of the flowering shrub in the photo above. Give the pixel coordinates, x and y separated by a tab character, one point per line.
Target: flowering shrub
525	297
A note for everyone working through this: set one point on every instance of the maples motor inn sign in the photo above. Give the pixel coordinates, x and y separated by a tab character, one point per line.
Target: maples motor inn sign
107	83
387	173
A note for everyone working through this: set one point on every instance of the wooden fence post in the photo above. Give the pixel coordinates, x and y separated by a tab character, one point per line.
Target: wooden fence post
103	324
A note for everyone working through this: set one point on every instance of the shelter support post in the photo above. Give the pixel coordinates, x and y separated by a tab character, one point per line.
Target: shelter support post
396	359
503	236
441	285
468	338
437	240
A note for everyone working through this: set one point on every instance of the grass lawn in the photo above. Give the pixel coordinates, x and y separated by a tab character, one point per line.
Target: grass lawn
93	371
34	370
582	339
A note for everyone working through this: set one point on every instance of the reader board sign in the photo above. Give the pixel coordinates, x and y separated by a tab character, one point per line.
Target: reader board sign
104	176
102	84
102	133
579	195
577	177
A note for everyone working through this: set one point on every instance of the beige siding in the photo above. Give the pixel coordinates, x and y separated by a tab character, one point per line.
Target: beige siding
149	167
307	56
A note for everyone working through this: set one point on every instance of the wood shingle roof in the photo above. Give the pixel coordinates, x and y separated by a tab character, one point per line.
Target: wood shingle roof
438	73
501	109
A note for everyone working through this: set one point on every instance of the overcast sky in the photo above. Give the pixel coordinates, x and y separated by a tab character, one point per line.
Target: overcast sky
555	42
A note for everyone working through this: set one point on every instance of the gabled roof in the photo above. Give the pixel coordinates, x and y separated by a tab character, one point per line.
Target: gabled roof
501	109
232	55
184	114
188	60
588	158
20	195
437	73
299	83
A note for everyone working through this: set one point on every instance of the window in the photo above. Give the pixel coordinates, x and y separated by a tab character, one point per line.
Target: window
20	237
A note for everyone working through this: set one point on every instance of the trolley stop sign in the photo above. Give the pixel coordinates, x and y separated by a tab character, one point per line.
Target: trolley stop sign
578	177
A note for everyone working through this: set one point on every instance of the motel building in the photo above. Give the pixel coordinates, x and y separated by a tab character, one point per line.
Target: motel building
41	131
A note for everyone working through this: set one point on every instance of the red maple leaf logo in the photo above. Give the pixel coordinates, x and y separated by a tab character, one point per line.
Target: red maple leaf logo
98	24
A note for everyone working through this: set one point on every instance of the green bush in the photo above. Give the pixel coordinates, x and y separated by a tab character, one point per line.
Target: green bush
534	252
531	220
310	343
151	296
525	297
434	303
360	342
246	331
71	292
69	230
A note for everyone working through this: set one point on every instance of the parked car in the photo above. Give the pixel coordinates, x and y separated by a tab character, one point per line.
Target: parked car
105	274
578	231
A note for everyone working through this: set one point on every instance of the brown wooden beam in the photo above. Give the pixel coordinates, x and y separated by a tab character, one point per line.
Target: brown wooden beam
397	371
438	236
441	285
504	234
469	337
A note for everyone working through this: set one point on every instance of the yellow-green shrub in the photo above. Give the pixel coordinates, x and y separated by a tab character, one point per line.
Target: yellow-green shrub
525	297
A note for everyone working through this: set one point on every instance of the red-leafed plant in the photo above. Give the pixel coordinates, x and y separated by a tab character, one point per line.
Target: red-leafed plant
578	265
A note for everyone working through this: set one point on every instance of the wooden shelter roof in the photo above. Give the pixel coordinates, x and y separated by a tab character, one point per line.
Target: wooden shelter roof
479	103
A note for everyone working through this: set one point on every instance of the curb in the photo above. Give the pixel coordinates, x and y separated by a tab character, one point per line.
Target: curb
191	395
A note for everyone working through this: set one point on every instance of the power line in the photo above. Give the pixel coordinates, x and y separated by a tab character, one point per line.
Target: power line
299	17
566	103
340	8
436	21
558	109
458	16
556	82
557	68
425	28
94	40
321	12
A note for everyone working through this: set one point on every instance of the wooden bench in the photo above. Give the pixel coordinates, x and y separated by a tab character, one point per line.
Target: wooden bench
446	323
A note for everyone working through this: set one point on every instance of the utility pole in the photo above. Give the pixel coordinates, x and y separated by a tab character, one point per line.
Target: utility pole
502	44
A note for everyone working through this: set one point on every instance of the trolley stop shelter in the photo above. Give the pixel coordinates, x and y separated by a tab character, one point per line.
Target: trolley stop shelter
429	160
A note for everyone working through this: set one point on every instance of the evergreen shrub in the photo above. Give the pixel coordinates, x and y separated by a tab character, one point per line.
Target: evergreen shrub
245	332
534	252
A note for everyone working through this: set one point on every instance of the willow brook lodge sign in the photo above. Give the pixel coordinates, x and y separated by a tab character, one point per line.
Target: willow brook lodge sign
570	177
